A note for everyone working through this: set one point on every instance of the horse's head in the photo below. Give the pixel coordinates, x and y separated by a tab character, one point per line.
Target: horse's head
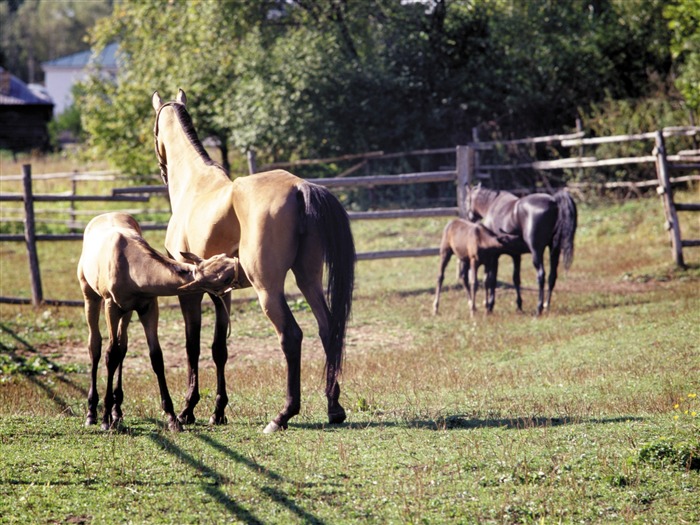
470	199
158	106
217	275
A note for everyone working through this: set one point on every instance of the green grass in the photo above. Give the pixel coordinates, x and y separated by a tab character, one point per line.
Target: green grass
586	415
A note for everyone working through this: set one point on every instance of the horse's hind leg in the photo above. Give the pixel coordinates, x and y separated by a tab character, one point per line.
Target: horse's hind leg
113	360
517	259
274	305
553	266
314	296
191	307
219	352
538	263
444	259
123	342
149	319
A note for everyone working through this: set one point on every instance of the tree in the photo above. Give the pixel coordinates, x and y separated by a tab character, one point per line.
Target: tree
684	21
35	31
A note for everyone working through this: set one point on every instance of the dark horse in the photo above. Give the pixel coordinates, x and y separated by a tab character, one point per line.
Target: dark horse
541	220
273	222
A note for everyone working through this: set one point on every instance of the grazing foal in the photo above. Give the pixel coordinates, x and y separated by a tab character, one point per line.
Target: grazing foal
474	245
118	267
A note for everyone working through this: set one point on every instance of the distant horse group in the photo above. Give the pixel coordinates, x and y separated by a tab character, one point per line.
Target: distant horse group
532	223
250	232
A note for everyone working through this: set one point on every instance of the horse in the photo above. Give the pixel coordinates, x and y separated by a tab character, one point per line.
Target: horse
474	245
273	222
119	269
540	220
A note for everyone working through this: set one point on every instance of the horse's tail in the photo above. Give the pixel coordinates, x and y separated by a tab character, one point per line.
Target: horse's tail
323	208
566	226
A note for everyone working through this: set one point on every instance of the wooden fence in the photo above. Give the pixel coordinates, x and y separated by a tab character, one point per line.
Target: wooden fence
468	168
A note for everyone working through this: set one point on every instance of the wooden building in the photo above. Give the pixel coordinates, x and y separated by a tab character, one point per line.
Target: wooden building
24	115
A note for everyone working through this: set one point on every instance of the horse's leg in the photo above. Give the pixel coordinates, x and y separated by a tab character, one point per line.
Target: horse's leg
491	270
219	352
517	259
444	259
538	263
123	342
313	292
113	359
191	307
274	305
149	320
553	265
93	304
472	284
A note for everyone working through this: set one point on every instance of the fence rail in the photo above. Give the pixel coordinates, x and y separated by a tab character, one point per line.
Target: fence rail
467	170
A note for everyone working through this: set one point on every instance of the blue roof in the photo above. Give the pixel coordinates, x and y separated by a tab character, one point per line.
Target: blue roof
107	58
14	92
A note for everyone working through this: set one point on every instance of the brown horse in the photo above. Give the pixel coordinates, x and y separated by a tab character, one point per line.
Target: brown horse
119	268
540	220
473	245
273	222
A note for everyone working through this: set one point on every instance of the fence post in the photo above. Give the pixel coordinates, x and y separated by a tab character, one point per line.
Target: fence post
465	176
30	235
252	164
666	193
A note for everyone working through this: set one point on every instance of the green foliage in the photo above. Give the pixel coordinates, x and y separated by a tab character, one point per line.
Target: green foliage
312	79
34	31
684	21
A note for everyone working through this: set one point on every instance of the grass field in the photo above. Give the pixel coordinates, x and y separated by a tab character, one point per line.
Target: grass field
585	415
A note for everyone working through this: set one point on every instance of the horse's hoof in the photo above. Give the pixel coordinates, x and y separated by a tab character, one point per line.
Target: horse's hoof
174	425
273	427
217	420
91	420
337	417
186	419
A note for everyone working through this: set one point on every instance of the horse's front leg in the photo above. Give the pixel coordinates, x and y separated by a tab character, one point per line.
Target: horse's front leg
490	281
219	353
93	304
191	307
149	320
290	337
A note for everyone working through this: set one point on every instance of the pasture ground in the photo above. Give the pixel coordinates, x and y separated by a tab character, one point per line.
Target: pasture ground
586	415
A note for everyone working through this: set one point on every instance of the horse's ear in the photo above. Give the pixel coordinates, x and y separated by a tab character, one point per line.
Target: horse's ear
181	98
191	257
156	101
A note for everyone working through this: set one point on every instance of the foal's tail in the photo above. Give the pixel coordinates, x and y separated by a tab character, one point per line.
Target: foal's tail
325	210
566	226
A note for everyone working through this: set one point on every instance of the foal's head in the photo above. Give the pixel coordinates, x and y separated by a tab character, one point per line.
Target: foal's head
218	274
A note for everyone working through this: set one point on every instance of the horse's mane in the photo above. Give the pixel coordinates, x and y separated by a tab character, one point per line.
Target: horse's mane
485	196
188	128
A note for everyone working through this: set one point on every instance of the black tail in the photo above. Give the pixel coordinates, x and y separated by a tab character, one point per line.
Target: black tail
324	209
566	226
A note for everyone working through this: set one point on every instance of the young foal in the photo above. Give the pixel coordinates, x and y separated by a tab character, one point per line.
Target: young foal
118	267
474	245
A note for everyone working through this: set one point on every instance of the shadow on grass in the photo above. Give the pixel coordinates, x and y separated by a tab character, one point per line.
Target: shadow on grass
216	492
34	373
463	422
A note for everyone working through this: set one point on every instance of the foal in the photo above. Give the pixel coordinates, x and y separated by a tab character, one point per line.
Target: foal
474	245
118	267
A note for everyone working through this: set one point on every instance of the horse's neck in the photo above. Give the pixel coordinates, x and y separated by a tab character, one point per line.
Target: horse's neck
157	275
188	171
